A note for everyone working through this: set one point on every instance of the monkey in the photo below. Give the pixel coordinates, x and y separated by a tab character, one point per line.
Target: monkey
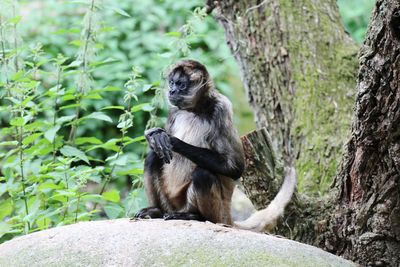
195	162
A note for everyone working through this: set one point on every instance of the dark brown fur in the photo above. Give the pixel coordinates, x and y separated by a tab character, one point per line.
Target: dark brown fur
207	155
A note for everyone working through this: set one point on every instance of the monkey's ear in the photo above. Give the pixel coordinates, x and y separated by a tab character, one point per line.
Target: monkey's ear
196	76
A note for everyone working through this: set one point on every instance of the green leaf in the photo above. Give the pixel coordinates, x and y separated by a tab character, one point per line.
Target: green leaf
143	106
69	106
99	116
43	222
31	138
120	11
94	96
92	198
26	101
112	195
17	122
134	140
77	43
86	140
51	133
48	186
6	208
135	171
63	119
9	143
109	145
173	34
112	157
15	20
147	87
147	108
108	61
113	107
68	97
4	228
18	75
108	89
70	151
113	211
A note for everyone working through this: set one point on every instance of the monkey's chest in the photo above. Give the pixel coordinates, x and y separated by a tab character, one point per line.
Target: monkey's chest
177	174
191	129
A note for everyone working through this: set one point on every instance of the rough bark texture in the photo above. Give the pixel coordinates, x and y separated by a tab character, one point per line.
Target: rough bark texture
360	217
262	169
369	179
298	68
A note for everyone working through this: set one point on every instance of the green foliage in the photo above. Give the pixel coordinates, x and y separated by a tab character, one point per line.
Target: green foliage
355	15
76	96
46	172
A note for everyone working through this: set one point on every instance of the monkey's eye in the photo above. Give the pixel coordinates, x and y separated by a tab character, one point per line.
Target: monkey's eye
180	84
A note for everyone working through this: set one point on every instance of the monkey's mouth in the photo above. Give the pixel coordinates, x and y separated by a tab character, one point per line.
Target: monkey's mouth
176	101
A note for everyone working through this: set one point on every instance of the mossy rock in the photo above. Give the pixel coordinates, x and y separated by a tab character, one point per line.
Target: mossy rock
158	243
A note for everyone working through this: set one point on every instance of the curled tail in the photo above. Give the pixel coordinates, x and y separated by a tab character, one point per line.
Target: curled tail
267	218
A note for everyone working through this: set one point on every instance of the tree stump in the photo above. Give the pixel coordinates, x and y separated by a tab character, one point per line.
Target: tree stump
262	176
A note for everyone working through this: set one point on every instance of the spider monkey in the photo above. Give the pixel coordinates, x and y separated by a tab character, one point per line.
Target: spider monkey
194	163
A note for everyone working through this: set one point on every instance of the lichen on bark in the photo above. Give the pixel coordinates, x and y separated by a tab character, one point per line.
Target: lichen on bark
298	68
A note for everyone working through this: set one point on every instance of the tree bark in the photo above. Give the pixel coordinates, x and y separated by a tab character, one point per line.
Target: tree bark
262	168
369	177
298	68
295	52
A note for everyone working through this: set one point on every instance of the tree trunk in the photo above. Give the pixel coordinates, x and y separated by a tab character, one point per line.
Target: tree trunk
296	63
369	177
298	67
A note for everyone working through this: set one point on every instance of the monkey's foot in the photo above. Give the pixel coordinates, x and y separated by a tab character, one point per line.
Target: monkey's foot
183	216
148	213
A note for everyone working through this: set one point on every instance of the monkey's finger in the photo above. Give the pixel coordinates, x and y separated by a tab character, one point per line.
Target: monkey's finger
167	140
152	144
166	148
153	131
158	147
169	155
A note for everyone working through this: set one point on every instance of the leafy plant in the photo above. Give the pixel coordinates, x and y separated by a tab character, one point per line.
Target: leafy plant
73	109
48	168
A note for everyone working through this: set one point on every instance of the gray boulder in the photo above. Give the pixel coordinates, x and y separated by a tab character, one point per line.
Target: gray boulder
158	243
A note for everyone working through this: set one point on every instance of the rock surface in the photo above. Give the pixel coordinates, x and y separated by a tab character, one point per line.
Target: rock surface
158	243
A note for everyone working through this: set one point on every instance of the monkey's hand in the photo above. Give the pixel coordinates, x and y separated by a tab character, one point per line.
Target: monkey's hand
160	143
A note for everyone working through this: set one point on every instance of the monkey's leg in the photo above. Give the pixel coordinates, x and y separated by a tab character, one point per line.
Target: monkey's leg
204	198
152	173
206	194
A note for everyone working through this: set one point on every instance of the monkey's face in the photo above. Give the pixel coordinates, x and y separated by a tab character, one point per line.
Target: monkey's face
187	83
179	87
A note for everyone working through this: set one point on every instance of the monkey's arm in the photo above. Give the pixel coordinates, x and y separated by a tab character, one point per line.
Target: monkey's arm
209	159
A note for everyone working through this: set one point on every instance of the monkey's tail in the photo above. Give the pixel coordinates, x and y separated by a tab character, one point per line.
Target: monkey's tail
267	218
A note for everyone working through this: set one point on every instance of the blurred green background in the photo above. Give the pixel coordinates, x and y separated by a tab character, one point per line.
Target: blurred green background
148	35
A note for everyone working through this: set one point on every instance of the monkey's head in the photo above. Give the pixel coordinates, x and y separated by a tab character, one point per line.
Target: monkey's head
188	83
